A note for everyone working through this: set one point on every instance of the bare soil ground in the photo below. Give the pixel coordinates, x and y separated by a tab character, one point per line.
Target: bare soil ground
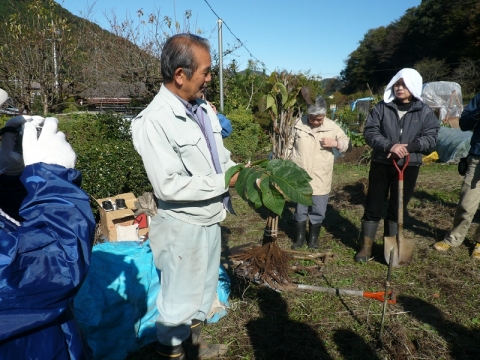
436	314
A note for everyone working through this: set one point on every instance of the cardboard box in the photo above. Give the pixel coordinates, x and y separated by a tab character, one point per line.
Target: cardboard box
110	219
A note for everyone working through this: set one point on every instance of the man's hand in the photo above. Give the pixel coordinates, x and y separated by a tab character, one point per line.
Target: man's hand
328	143
50	148
233	180
398	151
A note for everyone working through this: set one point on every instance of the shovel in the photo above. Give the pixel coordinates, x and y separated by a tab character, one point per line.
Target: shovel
402	247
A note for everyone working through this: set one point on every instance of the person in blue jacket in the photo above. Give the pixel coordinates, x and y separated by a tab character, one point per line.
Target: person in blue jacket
224	122
470	191
45	244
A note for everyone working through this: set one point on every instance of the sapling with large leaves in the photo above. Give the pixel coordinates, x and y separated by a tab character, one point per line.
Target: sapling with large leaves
271	183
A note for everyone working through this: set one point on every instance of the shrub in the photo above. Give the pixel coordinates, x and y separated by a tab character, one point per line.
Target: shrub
353	119
246	136
105	155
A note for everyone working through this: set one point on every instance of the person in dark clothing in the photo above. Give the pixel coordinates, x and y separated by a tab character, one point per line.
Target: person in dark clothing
398	126
470	192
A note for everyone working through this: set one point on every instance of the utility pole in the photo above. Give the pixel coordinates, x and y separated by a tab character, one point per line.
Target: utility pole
220	61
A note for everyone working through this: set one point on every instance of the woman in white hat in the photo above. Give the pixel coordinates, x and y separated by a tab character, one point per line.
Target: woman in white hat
398	126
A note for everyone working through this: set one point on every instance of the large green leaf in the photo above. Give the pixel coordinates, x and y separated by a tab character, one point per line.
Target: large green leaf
261	163
271	197
293	181
253	192
275	110
232	171
270	101
291	102
241	184
272	164
283	92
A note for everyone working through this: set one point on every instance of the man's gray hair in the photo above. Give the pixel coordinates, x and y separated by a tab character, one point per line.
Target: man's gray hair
178	52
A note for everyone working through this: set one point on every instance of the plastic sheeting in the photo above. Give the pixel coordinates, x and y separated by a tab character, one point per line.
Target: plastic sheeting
365	104
116	306
452	144
446	96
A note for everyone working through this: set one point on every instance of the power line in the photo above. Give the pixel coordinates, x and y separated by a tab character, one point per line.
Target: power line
235	36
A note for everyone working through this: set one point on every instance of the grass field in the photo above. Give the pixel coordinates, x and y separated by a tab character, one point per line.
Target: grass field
438	296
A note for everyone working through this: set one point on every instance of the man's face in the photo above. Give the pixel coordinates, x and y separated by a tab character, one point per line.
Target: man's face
194	87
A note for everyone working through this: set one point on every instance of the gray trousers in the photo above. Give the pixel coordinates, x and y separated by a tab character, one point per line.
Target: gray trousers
467	206
316	212
188	257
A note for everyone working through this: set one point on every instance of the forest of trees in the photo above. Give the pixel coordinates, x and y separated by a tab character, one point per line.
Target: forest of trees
439	38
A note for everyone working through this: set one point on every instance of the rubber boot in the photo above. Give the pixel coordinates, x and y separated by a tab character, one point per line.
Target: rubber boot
197	348
390	228
166	352
369	229
300	229
313	232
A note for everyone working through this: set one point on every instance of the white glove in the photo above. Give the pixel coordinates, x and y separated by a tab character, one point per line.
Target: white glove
50	148
11	162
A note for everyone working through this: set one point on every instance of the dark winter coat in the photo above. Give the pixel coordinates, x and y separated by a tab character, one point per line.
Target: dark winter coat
469	120
418	128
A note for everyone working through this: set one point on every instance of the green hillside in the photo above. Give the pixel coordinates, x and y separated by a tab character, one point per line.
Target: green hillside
440	38
43	46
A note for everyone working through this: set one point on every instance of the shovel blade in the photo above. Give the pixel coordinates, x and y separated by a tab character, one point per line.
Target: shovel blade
402	253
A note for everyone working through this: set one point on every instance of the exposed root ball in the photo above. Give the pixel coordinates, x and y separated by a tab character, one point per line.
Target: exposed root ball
264	265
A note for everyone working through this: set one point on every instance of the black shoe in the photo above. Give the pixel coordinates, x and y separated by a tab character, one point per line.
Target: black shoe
107	205
120	203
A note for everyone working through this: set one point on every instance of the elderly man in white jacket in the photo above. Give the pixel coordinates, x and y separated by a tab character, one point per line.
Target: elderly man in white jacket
179	139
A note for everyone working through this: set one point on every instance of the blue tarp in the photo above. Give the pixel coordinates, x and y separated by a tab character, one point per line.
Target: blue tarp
116	304
452	144
353	104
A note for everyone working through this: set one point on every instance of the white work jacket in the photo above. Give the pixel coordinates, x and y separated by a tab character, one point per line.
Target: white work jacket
178	162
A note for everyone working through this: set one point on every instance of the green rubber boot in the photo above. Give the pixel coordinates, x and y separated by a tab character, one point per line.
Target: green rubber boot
369	229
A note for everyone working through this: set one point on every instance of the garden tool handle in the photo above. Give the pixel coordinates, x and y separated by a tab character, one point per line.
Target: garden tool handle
379	295
400	172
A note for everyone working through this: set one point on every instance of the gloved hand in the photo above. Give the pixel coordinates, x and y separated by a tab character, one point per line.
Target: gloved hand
11	162
50	148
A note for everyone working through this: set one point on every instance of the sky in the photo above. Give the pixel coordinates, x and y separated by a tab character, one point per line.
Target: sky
314	36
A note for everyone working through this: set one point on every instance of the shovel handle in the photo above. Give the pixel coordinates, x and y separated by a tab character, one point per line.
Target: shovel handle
379	295
400	171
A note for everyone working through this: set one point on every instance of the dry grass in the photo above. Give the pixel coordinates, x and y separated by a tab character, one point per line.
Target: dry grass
438	296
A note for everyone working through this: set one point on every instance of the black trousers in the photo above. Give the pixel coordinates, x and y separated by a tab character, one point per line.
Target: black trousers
383	185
